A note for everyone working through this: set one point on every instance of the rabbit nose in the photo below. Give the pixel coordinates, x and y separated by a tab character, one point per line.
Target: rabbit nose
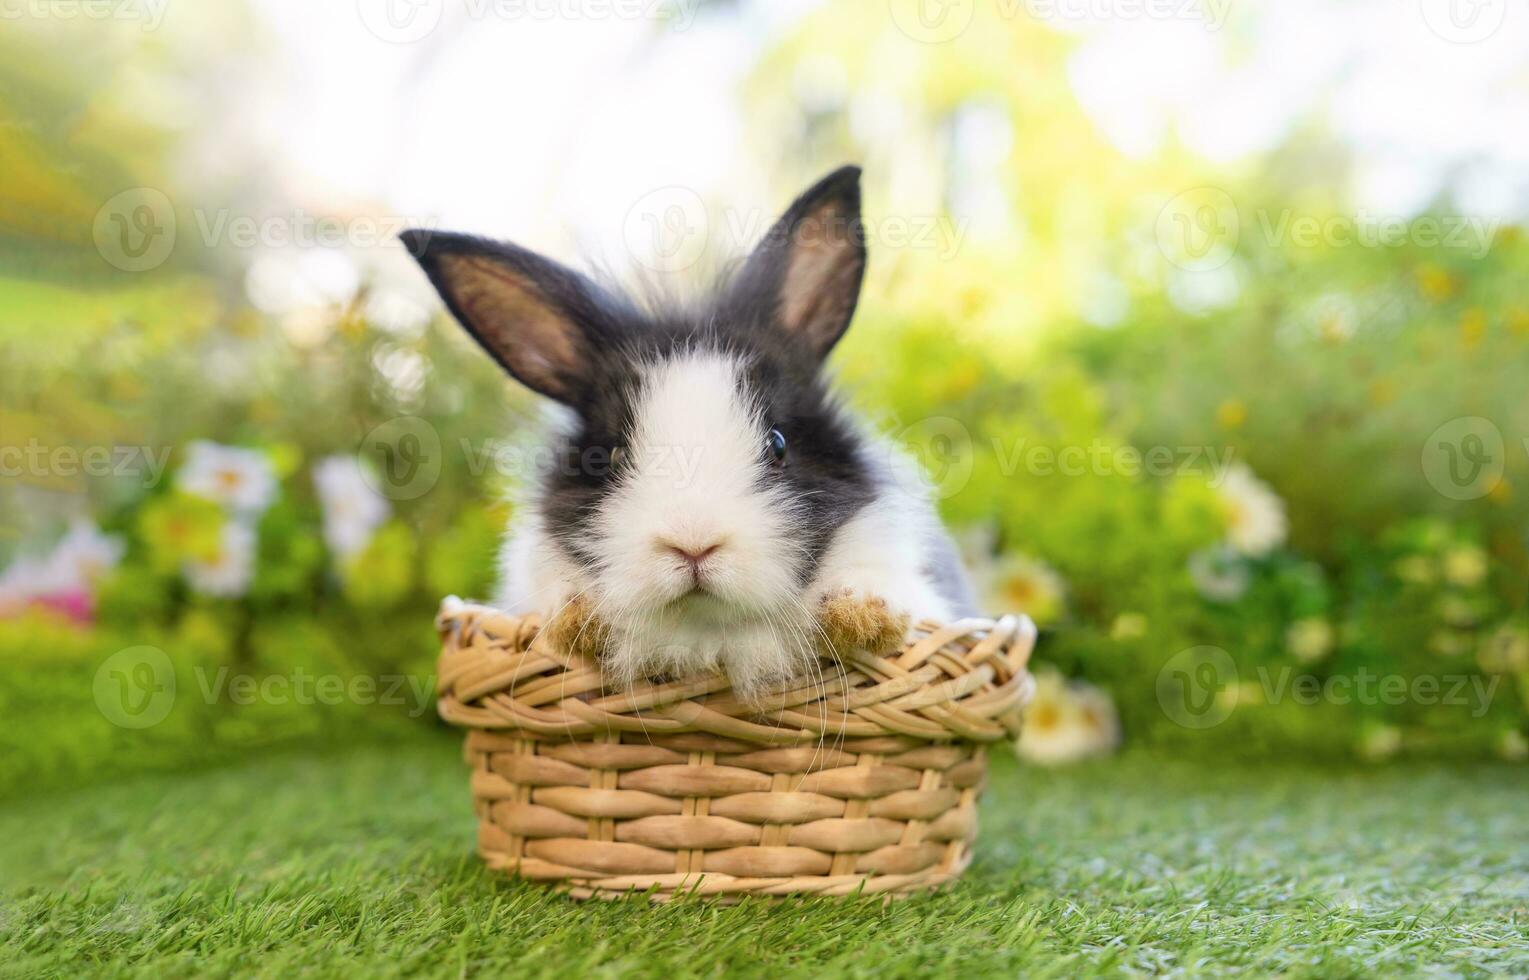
691	554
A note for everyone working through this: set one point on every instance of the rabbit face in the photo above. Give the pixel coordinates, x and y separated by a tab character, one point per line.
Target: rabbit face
706	470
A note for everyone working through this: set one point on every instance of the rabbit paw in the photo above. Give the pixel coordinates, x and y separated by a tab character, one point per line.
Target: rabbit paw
575	629
854	620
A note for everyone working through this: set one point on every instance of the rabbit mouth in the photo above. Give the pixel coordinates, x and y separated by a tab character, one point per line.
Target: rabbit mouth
700	602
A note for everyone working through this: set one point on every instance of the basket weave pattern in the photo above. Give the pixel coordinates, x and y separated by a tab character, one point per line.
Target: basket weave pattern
865	778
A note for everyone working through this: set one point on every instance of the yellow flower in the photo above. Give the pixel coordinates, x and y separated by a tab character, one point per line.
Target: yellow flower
1129	626
1458	611
1505	651
963	378
1382	392
1518	321
1415	570
1449	643
1465	566
1513	746
1231	414
1473	327
1022	584
1380	742
1310	639
1435	282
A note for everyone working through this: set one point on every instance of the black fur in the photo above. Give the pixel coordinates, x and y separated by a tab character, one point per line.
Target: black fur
827	467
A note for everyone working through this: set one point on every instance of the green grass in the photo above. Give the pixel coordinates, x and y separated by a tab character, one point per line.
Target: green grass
360	863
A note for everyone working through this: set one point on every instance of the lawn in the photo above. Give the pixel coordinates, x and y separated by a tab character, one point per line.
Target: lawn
360	863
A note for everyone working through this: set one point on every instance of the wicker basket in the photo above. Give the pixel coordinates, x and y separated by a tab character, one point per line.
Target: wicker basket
865	780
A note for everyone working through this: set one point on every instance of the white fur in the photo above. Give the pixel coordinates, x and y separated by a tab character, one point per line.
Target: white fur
693	479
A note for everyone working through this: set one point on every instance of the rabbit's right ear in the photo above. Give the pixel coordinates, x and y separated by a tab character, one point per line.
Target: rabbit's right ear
524	309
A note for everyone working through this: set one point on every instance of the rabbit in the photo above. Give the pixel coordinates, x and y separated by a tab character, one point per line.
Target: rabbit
713	505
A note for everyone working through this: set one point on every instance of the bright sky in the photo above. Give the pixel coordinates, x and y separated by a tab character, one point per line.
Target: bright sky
548	129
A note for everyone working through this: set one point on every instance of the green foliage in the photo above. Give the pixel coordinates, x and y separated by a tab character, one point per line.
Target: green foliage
1246	473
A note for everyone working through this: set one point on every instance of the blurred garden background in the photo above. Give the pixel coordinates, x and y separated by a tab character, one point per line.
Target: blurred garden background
1209	323
1207	319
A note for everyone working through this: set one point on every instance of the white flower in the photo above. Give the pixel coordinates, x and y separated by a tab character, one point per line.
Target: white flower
84	554
20	583
228	573
1254	515
79	558
239	479
1067	721
1021	584
353	510
1310	639
1219	574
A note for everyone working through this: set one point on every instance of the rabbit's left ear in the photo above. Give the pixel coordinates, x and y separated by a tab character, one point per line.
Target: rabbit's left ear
537	318
810	264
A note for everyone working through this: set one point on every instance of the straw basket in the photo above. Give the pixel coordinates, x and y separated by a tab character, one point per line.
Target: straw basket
863	780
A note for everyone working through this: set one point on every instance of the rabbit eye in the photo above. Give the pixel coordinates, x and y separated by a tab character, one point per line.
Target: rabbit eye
775	445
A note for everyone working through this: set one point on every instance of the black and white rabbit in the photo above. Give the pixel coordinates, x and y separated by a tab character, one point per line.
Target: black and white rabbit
712	504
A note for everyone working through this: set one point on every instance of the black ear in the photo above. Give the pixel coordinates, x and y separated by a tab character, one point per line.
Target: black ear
527	311
809	267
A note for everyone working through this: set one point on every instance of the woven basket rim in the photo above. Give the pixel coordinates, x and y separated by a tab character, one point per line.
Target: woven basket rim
960	681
